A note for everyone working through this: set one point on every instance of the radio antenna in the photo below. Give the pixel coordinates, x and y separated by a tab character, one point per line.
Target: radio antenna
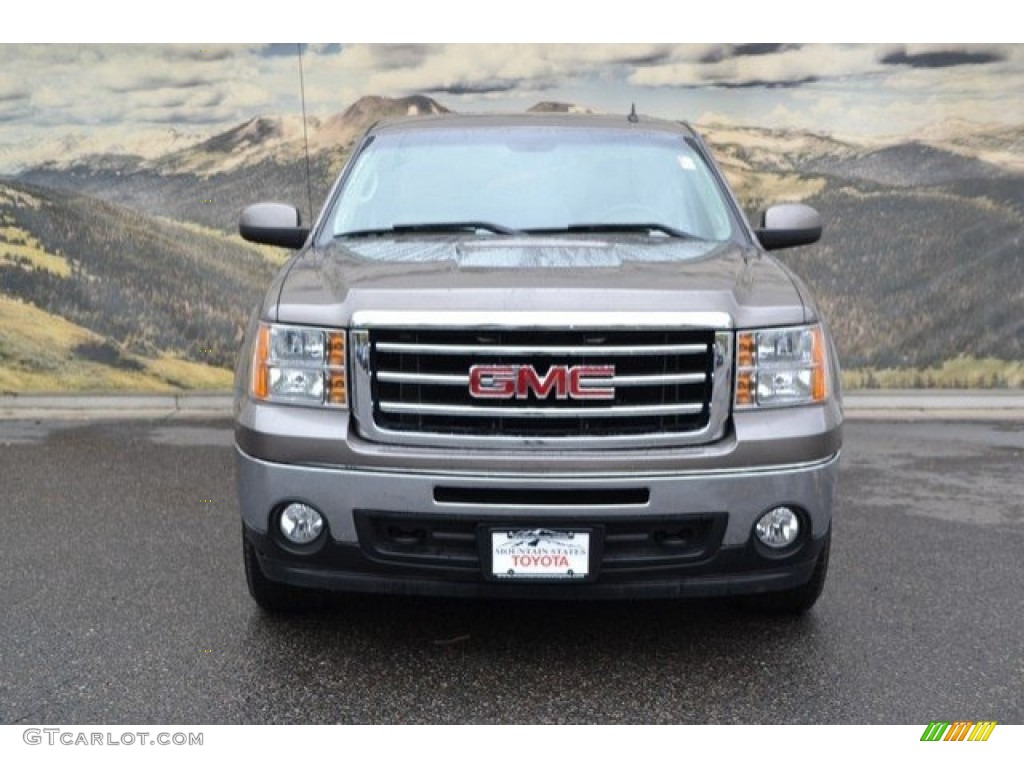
305	135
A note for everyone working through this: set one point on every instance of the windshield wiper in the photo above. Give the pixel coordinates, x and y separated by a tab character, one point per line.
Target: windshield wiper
434	226
643	227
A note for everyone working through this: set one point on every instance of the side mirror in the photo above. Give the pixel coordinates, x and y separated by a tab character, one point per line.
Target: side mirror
273	224
789	225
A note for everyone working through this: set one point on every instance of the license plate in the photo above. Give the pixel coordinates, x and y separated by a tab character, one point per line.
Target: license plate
540	553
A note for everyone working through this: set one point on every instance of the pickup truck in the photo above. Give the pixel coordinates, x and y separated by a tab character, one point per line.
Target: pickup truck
536	356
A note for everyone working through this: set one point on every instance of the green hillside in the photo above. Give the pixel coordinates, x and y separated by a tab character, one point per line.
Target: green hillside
918	271
148	303
914	277
40	352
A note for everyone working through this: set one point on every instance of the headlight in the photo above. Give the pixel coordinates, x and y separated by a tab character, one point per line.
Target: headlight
781	366
300	365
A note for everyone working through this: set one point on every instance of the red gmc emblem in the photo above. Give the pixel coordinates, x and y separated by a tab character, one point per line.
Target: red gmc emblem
576	382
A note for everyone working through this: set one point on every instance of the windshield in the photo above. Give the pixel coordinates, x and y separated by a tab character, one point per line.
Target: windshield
530	179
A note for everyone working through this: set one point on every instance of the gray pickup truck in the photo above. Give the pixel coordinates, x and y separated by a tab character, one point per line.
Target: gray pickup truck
536	356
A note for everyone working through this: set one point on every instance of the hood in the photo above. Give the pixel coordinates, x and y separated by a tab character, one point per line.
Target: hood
536	274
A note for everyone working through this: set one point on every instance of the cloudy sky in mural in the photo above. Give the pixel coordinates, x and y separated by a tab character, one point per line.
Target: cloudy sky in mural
113	93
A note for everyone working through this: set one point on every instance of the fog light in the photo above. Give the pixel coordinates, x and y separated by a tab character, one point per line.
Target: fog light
300	523
778	528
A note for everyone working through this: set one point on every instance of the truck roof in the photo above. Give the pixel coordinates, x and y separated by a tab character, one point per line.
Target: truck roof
526	119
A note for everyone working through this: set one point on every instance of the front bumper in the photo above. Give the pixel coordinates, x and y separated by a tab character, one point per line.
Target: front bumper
665	535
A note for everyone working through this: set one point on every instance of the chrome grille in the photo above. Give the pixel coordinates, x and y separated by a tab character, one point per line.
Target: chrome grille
412	385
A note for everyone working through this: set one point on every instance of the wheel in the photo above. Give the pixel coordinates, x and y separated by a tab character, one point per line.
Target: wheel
798	599
272	596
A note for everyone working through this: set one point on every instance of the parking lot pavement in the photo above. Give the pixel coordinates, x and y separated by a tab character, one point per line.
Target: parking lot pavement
123	601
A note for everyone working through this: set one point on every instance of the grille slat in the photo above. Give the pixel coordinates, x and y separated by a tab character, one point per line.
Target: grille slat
520	412
455	380
439	379
534	350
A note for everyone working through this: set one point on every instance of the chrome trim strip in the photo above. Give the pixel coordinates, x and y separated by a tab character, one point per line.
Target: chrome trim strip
440	379
453	380
659	379
362	405
472	320
511	443
622	411
540	350
613	477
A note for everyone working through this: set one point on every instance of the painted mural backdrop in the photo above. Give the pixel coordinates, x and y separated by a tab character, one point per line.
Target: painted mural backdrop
123	170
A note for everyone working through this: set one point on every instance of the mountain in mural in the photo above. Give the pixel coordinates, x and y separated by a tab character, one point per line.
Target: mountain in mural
920	263
96	296
210	181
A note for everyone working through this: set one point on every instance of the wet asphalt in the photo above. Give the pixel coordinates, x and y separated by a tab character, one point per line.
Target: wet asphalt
123	601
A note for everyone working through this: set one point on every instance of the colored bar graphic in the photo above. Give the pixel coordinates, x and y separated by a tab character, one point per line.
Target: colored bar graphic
934	731
982	730
959	730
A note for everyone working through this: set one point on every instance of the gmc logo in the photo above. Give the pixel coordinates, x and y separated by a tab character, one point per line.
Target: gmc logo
576	382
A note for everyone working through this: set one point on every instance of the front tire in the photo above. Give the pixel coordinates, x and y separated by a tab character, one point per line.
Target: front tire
273	596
